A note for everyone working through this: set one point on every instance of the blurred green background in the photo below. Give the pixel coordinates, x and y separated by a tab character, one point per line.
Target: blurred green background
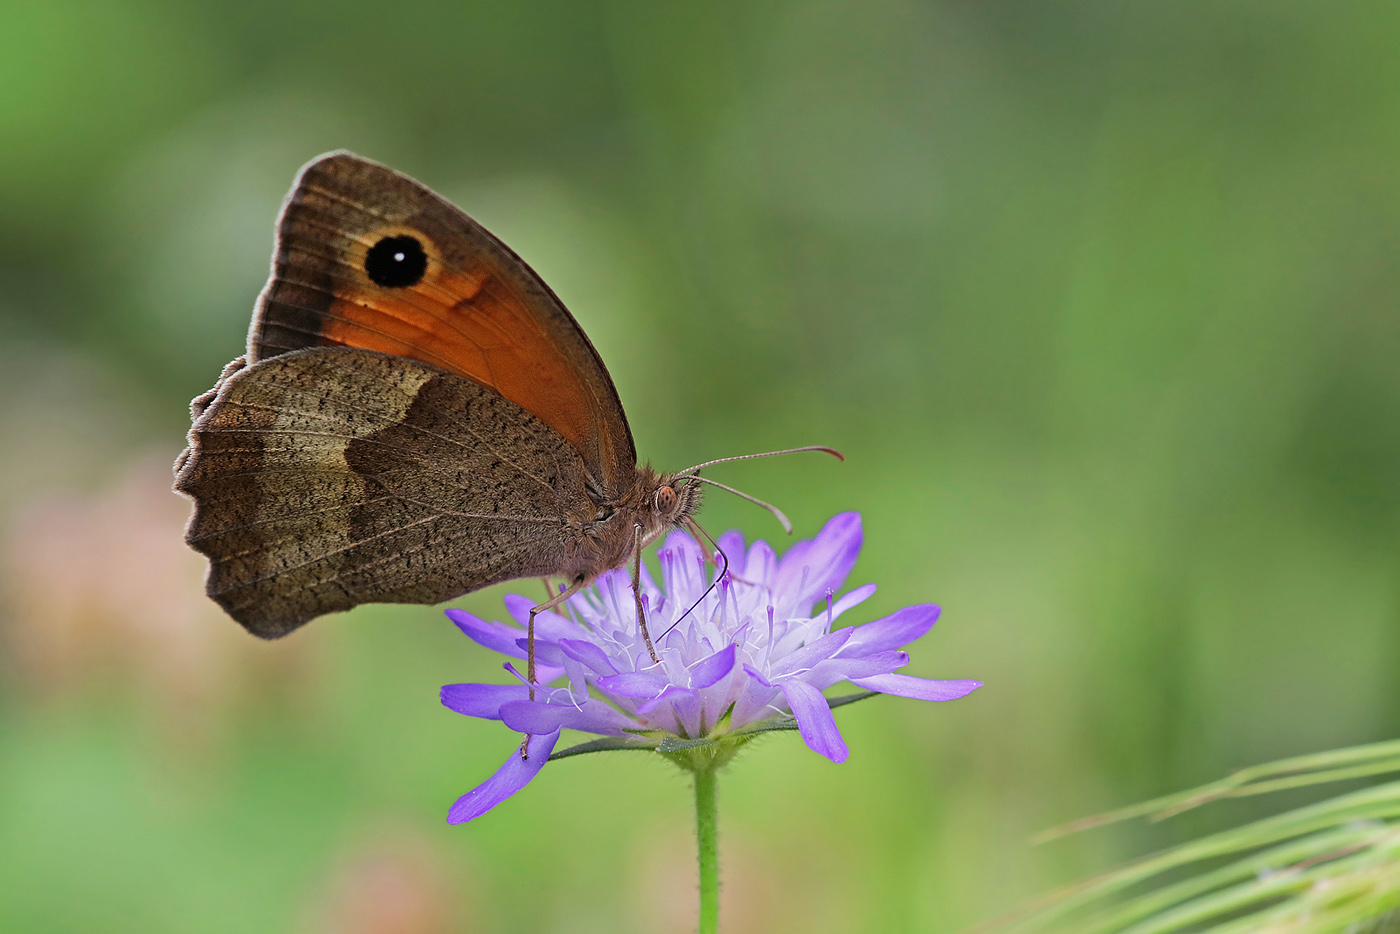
1099	300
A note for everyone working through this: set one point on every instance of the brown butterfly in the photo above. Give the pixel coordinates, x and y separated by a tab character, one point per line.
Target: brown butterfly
417	416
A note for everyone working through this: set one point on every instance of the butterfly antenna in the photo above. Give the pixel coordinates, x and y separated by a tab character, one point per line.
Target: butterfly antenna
743	457
777	513
692	526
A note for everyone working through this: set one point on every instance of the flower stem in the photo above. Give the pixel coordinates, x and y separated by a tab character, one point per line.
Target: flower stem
707	837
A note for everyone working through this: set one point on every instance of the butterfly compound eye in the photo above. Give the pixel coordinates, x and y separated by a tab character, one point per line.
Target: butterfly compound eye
665	499
396	262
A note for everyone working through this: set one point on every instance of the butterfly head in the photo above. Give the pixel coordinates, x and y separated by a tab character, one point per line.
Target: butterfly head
674	500
663	502
650	506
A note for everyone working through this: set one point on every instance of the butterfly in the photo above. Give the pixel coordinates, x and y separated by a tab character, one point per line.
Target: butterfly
416	416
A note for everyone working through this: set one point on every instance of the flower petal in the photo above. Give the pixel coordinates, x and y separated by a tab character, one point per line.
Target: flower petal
828	560
684	567
671	693
807	656
755	701
481	700
611	600
592	716
503	638
894	631
577	672
709	670
634	684
498	637
514	775
760	564
546	652
757	676
588	653
814	720
917	688
854	598
549	624
826	673
732	544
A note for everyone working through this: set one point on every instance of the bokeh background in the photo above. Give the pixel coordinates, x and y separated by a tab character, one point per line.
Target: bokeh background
1099	300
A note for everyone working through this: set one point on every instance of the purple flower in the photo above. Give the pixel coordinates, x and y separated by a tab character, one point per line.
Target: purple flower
753	655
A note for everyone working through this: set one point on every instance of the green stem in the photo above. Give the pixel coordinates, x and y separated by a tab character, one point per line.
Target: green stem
707	837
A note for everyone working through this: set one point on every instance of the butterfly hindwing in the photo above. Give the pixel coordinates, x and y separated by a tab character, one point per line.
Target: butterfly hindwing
329	477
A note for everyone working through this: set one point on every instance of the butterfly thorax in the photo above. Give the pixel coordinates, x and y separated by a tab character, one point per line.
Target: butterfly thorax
647	508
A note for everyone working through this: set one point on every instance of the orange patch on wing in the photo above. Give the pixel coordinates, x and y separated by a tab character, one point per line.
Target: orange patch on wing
475	325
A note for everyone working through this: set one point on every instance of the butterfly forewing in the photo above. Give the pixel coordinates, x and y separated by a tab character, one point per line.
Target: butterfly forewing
369	258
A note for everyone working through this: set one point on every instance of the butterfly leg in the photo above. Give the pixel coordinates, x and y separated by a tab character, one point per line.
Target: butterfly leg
637	592
549	604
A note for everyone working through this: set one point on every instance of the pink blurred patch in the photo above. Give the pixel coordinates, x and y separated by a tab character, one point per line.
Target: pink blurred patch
393	882
665	900
102	590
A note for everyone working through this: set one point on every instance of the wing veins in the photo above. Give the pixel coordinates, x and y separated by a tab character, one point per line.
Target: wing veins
242	526
416	457
390	420
270	544
367	564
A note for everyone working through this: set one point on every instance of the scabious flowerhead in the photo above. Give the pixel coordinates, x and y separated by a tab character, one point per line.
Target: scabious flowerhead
751	654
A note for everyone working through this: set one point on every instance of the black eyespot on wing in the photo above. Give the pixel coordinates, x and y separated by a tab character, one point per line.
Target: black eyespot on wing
396	262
